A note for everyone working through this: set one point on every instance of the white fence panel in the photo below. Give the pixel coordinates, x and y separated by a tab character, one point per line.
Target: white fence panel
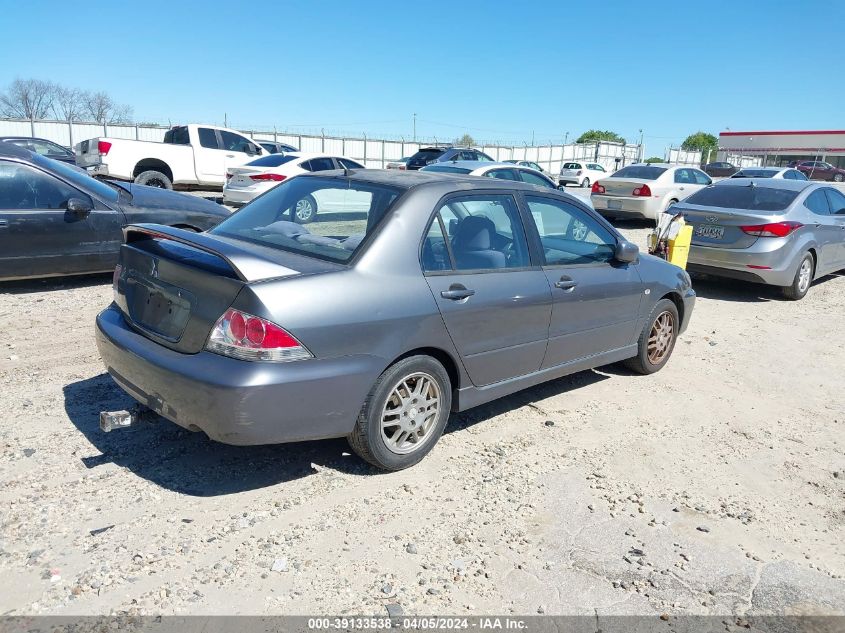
335	147
394	151
120	131
44	129
373	153
682	157
151	134
355	149
311	144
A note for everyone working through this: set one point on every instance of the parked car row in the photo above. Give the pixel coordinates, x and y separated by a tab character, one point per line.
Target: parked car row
811	169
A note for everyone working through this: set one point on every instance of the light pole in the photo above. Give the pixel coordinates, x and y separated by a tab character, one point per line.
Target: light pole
415	127
641	146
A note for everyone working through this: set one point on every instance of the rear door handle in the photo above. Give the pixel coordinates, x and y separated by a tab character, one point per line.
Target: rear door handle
457	292
566	283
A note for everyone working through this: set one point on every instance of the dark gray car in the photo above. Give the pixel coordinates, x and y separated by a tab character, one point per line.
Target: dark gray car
57	220
419	294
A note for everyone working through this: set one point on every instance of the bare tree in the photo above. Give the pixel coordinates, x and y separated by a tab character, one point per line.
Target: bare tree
68	104
28	99
101	107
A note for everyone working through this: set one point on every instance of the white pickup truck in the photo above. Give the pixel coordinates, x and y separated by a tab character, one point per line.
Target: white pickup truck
191	155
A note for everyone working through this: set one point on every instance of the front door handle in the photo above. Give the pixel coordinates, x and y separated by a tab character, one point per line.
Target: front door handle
457	292
566	283
230	155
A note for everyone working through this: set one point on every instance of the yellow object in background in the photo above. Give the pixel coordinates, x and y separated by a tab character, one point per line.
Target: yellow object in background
679	246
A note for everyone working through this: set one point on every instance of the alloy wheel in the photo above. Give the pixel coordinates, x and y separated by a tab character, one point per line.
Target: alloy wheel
660	338
304	210
805	274
410	413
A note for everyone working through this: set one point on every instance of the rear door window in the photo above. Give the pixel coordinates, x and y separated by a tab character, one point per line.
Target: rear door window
485	232
817	203
349	164
319	164
208	138
503	174
535	179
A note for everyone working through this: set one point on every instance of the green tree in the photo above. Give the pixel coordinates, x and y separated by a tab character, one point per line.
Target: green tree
466	140
591	136
700	141
654	159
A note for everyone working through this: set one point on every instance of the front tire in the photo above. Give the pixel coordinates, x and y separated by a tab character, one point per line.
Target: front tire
305	210
838	177
803	279
657	340
404	414
152	178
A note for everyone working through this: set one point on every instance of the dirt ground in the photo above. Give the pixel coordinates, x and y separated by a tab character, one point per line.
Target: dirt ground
715	486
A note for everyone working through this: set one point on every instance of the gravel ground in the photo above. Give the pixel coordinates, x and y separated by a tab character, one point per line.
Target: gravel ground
716	486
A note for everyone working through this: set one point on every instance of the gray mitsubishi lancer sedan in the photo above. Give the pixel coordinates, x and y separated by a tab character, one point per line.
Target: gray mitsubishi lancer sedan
412	295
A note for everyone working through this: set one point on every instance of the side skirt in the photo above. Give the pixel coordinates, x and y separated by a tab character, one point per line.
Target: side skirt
469	397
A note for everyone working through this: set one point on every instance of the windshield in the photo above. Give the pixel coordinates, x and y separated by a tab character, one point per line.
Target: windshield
77	177
747	197
643	172
447	169
342	213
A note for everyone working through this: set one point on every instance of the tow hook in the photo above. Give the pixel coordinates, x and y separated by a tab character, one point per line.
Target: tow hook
111	420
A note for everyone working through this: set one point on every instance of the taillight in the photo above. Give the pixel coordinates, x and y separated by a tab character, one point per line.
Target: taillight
597	188
115	278
247	337
776	229
642	191
402	167
275	177
103	147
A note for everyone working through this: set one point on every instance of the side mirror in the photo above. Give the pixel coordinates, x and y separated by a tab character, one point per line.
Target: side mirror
79	206
626	252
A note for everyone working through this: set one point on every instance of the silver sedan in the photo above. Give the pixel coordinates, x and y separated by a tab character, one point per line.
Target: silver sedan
774	231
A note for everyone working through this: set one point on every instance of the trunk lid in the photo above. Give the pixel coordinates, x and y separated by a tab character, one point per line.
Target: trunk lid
623	187
173	285
720	228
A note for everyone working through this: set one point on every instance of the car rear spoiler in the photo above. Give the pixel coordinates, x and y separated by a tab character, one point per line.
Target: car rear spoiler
246	264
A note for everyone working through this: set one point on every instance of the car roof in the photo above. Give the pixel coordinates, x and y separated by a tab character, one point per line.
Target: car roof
419	178
791	185
767	168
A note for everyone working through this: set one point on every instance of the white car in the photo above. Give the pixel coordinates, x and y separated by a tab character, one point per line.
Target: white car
580	173
505	171
245	183
189	155
786	173
646	190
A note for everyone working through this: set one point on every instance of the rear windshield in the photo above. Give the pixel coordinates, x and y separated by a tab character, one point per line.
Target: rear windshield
447	168
572	165
273	160
750	198
177	136
755	173
645	172
342	213
427	154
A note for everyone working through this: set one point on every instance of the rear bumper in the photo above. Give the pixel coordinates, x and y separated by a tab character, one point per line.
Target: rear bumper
93	169
239	196
234	401
569	180
781	259
626	207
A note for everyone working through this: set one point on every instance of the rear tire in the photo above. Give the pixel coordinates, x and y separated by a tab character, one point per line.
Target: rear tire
657	340
404	414
152	178
803	279
585	183
305	210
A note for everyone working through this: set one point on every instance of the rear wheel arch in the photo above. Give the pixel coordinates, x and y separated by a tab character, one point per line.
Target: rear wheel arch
152	164
441	356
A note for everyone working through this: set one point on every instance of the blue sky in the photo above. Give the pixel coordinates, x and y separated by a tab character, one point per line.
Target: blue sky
498	70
